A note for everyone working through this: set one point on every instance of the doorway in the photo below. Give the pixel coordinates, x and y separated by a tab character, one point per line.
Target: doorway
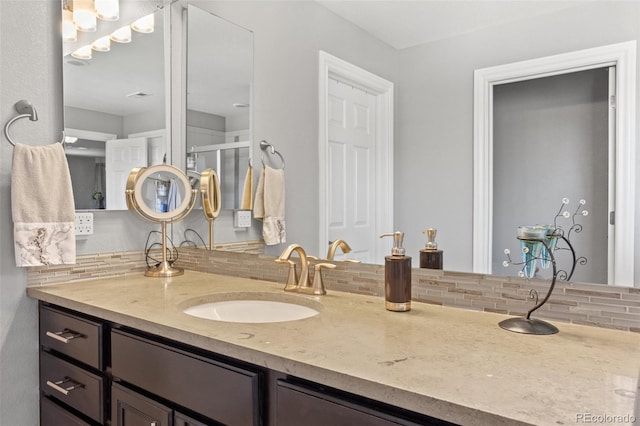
622	57
550	142
355	158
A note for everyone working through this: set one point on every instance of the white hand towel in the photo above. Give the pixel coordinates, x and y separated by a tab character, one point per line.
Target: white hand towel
247	191
42	206
269	205
174	198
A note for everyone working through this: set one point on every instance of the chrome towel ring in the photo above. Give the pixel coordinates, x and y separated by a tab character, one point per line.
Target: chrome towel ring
26	110
264	145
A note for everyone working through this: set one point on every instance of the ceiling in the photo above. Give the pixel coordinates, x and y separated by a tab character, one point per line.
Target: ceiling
108	78
402	24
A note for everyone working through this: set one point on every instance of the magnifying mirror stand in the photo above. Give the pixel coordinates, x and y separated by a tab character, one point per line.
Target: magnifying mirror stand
164	268
136	202
210	233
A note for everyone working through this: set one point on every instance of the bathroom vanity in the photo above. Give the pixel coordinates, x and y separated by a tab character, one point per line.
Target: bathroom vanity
133	354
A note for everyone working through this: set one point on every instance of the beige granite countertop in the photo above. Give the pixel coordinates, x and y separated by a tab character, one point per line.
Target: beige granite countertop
449	363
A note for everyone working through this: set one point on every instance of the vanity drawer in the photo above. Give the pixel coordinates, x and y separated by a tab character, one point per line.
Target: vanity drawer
53	414
76	337
72	385
222	392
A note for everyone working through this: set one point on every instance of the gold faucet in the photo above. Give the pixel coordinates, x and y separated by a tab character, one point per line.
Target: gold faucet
345	249
301	284
303	281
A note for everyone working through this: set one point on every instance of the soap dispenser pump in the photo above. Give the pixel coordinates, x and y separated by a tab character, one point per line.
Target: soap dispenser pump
430	256
397	276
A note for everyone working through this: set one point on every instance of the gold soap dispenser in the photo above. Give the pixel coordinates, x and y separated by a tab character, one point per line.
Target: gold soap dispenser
397	276
430	256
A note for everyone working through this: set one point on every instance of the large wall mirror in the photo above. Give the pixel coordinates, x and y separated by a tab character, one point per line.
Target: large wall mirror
218	120
115	103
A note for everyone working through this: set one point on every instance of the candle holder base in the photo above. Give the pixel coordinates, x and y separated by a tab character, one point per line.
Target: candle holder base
528	326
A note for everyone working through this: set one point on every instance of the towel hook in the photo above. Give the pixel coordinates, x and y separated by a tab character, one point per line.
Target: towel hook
264	145
25	110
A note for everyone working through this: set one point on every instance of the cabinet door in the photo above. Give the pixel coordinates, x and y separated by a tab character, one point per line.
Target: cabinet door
180	419
298	405
129	408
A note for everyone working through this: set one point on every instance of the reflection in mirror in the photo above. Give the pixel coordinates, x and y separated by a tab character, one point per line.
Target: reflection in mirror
211	199
219	75
550	143
115	106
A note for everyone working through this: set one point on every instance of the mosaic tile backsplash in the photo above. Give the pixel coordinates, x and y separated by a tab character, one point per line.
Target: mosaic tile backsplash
587	304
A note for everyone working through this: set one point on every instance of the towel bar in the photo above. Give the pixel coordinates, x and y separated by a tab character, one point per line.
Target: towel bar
25	109
264	145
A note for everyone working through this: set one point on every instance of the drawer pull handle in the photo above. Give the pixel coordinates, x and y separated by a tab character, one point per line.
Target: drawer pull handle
64	336
67	389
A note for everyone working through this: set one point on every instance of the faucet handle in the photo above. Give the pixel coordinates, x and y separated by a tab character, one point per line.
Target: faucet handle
318	284
292	278
309	256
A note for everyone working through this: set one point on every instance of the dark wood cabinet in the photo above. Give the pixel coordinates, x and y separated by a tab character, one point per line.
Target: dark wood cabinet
305	403
129	408
218	390
93	372
73	381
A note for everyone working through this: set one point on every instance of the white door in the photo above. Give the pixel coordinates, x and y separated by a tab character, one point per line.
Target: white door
157	150
122	155
351	169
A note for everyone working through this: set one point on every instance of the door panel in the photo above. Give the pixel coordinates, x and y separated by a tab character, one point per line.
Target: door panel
351	166
122	155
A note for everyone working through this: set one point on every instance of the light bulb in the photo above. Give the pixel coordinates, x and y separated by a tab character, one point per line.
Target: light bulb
84	16
83	53
108	10
103	44
144	25
121	35
69	32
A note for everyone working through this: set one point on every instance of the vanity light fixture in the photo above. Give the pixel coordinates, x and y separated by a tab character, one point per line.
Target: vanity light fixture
121	35
107	10
82	53
103	44
84	16
144	25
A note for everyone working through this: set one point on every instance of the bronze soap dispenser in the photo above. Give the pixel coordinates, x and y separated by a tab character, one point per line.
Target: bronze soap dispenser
397	276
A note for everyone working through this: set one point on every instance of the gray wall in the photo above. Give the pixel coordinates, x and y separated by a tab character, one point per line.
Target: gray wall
29	69
434	118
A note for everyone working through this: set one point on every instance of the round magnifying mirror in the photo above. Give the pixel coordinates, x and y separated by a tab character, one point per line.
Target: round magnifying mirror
160	194
211	199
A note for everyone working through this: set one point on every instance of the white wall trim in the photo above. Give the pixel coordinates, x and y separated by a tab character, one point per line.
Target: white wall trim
623	56
89	135
330	65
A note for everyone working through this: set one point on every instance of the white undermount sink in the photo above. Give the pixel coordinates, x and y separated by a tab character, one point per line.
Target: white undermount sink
247	310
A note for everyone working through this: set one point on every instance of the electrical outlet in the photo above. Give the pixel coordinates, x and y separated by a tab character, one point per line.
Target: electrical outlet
242	218
84	223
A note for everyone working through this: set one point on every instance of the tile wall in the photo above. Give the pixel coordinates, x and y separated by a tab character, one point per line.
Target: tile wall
588	304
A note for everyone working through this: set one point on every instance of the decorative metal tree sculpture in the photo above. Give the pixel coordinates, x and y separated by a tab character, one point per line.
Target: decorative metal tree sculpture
538	243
